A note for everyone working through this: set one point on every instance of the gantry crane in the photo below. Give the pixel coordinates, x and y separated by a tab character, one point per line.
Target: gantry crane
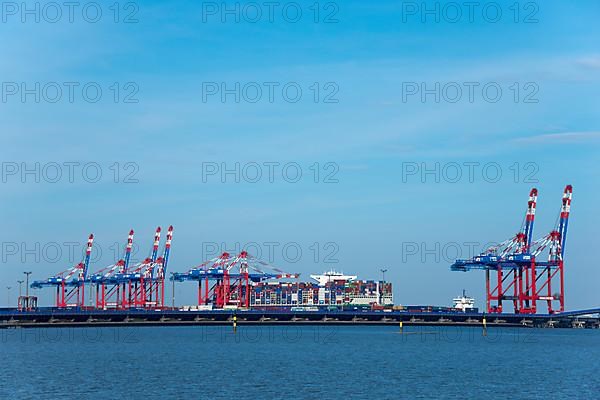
146	280
514	271
70	284
139	286
110	282
226	280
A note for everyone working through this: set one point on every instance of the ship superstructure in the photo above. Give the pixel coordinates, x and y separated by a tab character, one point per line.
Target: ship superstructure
331	275
463	303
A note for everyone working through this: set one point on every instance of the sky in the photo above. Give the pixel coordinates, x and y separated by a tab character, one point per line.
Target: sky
351	135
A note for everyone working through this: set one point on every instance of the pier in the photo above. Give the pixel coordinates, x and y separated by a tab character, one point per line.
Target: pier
49	317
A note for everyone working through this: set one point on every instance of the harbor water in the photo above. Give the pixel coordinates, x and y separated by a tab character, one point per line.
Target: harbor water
299	362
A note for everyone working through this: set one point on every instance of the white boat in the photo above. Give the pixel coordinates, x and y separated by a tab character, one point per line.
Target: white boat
463	303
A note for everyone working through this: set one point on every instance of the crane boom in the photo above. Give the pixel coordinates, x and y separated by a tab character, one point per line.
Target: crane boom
564	216
88	253
156	244
167	249
128	250
530	217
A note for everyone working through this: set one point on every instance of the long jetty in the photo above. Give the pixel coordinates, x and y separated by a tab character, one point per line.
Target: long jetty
50	317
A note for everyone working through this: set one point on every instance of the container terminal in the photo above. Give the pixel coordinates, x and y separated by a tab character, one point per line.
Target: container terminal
246	290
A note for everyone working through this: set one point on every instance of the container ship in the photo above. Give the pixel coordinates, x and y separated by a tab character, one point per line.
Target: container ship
330	289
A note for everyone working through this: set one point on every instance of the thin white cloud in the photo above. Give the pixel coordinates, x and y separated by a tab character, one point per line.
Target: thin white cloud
592	62
562	137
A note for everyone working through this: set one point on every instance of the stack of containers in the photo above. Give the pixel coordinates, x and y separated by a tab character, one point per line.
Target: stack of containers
307	293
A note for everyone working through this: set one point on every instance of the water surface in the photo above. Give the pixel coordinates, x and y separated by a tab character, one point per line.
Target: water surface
299	362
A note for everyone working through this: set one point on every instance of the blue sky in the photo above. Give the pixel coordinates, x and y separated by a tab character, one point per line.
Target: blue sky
370	134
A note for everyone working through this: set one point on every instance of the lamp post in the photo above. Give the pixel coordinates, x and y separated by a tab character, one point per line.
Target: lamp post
383	271
8	295
27	273
173	290
329	279
20	284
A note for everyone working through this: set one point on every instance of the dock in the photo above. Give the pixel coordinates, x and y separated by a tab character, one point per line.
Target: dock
44	318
